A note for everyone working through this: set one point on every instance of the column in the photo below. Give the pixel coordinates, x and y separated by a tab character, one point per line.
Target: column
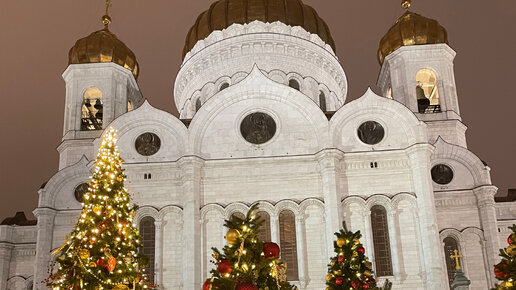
419	156
393	240
6	250
487	211
302	262
329	161
191	168
158	257
275	229
44	240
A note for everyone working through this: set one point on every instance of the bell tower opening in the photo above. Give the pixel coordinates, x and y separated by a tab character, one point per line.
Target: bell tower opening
92	110
427	92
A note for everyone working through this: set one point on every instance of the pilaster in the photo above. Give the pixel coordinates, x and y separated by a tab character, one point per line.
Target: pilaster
419	156
301	251
487	211
275	229
6	250
158	261
329	161
45	228
191	168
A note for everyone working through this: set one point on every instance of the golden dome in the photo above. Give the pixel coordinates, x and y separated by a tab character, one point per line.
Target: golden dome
411	29
223	13
103	46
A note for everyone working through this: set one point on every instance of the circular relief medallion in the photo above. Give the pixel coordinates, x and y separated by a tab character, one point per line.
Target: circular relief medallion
258	128
371	132
442	174
147	144
80	190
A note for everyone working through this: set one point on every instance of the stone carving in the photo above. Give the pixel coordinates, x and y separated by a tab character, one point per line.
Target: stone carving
147	144
80	190
258	128
371	132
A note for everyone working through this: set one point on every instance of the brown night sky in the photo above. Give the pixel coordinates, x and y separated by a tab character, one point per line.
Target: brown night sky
35	37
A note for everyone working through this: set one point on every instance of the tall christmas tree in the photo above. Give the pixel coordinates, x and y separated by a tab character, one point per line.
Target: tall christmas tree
505	271
102	250
349	269
246	263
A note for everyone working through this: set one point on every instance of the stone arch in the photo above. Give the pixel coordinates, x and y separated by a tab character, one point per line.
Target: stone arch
212	207
238	77
379	199
266	207
222	80
404	196
29	283
278	76
145	211
287	205
446	151
15	282
168	210
402	130
234	208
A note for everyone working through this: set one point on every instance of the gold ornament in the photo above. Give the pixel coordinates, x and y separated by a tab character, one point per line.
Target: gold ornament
367	273
511	250
97	209
121	287
341	242
355	254
215	256
92	264
84	254
329	277
368	265
232	236
508	284
356	241
332	262
337	272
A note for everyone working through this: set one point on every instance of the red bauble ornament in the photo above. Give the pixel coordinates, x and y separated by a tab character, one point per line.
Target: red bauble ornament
340	259
206	285
271	250
365	286
355	284
339	281
101	263
510	240
246	286
361	250
224	267
500	274
371	280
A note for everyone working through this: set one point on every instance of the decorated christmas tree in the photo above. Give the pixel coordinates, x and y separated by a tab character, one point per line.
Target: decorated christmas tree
247	263
349	269
505	271
102	250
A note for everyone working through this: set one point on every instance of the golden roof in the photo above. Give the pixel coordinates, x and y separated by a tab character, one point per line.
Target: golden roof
103	46
223	13
411	29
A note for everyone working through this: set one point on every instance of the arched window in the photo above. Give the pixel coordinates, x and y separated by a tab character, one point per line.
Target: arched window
224	86
294	84
450	244
148	238
322	101
382	249
265	228
426	92
198	104
91	115
287	222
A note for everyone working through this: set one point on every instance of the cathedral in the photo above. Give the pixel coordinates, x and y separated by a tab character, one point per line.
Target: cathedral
263	118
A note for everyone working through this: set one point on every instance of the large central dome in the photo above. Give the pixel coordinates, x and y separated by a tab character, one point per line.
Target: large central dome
223	13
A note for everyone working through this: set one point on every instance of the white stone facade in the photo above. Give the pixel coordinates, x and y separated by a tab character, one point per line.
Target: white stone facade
315	167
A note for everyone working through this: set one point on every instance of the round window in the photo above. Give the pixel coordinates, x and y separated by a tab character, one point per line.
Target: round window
371	132
147	144
80	191
442	174
258	128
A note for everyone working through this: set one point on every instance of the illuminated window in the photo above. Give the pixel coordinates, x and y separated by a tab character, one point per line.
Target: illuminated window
426	92
129	107
198	104
450	244
91	115
287	222
322	101
148	238
294	84
265	228
382	249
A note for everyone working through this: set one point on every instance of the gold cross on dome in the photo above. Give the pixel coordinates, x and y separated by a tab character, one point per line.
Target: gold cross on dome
106	19
406	4
108	4
456	258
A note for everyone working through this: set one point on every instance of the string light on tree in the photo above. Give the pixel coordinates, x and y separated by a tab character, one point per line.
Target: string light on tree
102	250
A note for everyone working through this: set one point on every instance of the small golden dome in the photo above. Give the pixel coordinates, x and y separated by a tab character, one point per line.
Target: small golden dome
411	29
103	46
223	13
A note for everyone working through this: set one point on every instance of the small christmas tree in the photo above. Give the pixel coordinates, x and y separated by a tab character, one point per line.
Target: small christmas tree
349	269
246	263
102	250
506	270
